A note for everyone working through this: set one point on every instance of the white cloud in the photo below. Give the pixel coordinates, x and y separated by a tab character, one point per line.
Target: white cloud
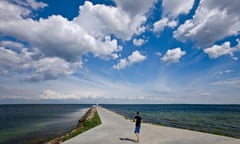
11	61
17	93
10	11
233	82
123	63
18	8
159	25
211	22
171	10
99	90
15	58
49	36
138	42
235	58
158	54
11	44
82	37
219	50
51	68
162	23
134	8
206	94
225	72
49	94
121	21
229	71
135	57
56	39
31	3
173	55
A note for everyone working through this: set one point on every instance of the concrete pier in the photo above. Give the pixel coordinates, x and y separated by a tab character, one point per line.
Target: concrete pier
115	129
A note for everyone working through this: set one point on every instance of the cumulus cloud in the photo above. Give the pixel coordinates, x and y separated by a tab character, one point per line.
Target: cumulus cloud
171	10
31	4
134	8
219	50
173	55
138	42
18	9
10	11
57	40
135	57
11	61
51	94
162	23
121	21
211	22
35	68
11	44
50	68
49	36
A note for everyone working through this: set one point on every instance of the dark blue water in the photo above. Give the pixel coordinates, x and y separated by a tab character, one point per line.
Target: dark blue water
217	119
25	124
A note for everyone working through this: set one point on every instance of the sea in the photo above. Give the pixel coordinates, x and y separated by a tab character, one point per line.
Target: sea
37	123
215	119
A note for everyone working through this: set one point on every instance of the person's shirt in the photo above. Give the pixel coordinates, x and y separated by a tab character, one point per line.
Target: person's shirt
138	120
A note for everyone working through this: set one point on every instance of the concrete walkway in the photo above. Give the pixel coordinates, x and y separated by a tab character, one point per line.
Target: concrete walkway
115	129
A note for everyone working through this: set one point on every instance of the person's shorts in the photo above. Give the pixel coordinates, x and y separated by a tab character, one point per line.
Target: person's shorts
137	130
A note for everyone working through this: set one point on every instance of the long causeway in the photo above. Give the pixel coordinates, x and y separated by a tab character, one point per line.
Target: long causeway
115	129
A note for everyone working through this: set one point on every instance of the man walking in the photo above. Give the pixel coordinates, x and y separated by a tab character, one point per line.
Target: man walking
137	119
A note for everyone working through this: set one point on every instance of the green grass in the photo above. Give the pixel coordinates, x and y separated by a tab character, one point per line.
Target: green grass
87	124
161	124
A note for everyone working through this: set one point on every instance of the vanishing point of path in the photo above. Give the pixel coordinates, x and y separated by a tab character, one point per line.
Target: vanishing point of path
115	129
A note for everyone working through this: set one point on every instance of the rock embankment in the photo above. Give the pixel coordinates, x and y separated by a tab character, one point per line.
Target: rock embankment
89	115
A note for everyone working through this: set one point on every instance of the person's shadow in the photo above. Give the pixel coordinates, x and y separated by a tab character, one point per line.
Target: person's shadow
127	139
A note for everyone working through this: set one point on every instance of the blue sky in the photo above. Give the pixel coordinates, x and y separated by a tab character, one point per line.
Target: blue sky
120	51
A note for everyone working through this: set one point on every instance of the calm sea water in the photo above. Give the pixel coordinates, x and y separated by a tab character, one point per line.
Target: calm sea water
217	119
25	124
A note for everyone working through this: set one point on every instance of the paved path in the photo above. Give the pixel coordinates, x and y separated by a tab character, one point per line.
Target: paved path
115	129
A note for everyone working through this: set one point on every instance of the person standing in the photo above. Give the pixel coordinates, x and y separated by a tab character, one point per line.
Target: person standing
137	119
